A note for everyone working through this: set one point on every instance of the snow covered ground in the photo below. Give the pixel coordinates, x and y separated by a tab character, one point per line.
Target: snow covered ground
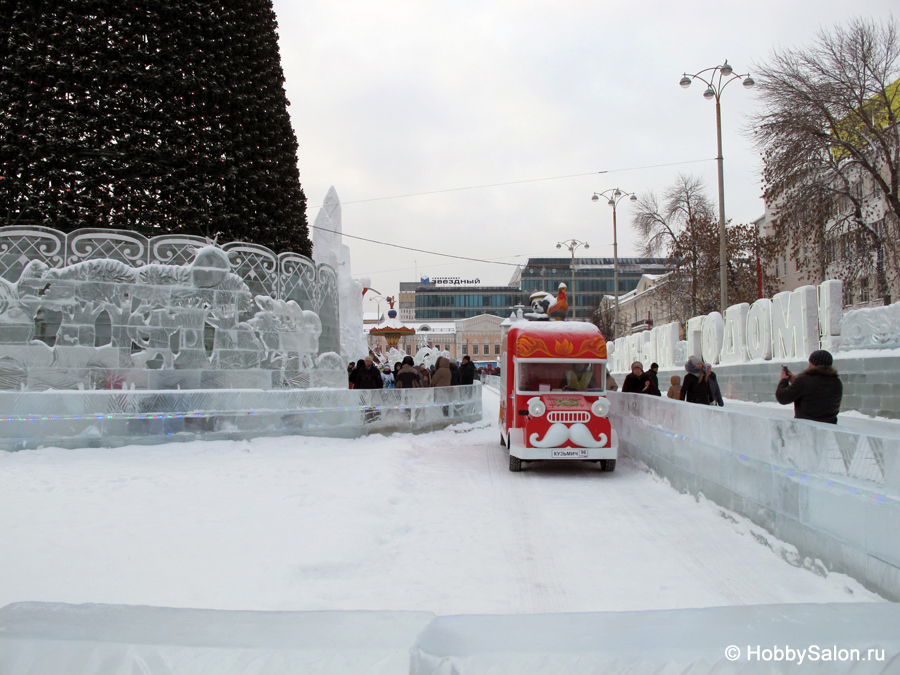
430	522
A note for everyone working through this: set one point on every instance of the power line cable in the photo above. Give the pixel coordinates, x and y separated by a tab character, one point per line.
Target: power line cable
519	182
475	187
416	250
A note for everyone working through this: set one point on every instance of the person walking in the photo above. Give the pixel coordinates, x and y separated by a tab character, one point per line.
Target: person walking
387	377
442	376
408	377
816	392
356	373
467	370
424	376
454	374
654	381
675	388
715	394
611	382
367	375
696	386
637	381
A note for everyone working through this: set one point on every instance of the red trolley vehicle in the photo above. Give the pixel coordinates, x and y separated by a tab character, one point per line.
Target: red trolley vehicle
553	401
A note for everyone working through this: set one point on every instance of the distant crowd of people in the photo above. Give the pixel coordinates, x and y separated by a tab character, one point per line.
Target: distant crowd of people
364	374
816	392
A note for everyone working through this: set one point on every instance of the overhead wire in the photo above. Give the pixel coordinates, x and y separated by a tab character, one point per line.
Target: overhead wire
476	187
519	182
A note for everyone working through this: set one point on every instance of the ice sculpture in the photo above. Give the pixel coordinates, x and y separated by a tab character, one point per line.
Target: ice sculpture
759	330
830	314
109	310
872	328
666	337
329	249
795	326
711	337
734	339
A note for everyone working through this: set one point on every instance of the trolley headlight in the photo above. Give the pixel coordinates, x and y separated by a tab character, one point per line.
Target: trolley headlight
536	407
600	407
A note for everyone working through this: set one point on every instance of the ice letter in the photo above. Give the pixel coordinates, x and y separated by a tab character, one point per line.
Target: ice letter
734	347
666	337
713	327
648	348
759	330
795	326
830	313
695	336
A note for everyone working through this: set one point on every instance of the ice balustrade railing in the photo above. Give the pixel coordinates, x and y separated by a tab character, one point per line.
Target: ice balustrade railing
112	309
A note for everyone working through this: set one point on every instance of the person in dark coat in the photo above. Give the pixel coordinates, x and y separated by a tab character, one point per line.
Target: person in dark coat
816	392
454	374
695	388
654	381
467	371
636	382
408	377
356	373
366	375
715	394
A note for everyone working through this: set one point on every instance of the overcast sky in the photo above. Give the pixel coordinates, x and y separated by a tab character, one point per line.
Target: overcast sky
398	97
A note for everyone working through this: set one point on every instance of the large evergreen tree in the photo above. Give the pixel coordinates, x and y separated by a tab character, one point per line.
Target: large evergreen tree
154	115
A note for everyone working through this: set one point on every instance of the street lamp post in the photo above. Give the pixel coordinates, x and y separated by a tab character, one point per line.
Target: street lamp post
614	197
572	245
719	78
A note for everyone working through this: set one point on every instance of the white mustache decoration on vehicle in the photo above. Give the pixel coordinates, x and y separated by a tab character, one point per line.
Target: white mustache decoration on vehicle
559	433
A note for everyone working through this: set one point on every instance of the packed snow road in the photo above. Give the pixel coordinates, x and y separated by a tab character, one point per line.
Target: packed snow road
431	522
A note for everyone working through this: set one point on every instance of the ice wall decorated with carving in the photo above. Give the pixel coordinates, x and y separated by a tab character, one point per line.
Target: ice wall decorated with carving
110	309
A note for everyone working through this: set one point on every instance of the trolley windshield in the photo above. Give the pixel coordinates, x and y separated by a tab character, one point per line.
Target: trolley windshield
559	375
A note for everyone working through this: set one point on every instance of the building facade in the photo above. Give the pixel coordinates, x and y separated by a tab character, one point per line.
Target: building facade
407	300
478	337
587	281
464	302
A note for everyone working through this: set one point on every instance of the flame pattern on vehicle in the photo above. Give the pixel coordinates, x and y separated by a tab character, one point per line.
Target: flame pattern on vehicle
530	346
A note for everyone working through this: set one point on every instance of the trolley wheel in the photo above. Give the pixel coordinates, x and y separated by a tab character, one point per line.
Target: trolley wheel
502	440
608	464
515	464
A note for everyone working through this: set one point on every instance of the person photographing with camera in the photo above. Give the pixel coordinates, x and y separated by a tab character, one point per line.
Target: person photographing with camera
816	392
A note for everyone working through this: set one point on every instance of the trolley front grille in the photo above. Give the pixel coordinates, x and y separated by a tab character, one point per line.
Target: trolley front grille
569	416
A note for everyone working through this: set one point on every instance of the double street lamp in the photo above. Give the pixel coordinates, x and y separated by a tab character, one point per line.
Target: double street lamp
614	196
716	80
572	245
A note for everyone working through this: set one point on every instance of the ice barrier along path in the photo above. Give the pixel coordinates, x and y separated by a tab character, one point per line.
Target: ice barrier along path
831	491
117	418
41	638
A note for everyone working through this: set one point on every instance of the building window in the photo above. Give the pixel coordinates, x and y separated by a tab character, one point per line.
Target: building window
487	349
474	349
497	348
864	289
465	347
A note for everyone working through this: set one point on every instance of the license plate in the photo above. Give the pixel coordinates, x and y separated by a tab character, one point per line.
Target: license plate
569	453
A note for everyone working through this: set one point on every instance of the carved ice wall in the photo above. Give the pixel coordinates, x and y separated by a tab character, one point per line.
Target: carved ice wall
111	309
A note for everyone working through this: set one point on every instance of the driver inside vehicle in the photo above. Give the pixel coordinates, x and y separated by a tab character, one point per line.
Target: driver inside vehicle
578	377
